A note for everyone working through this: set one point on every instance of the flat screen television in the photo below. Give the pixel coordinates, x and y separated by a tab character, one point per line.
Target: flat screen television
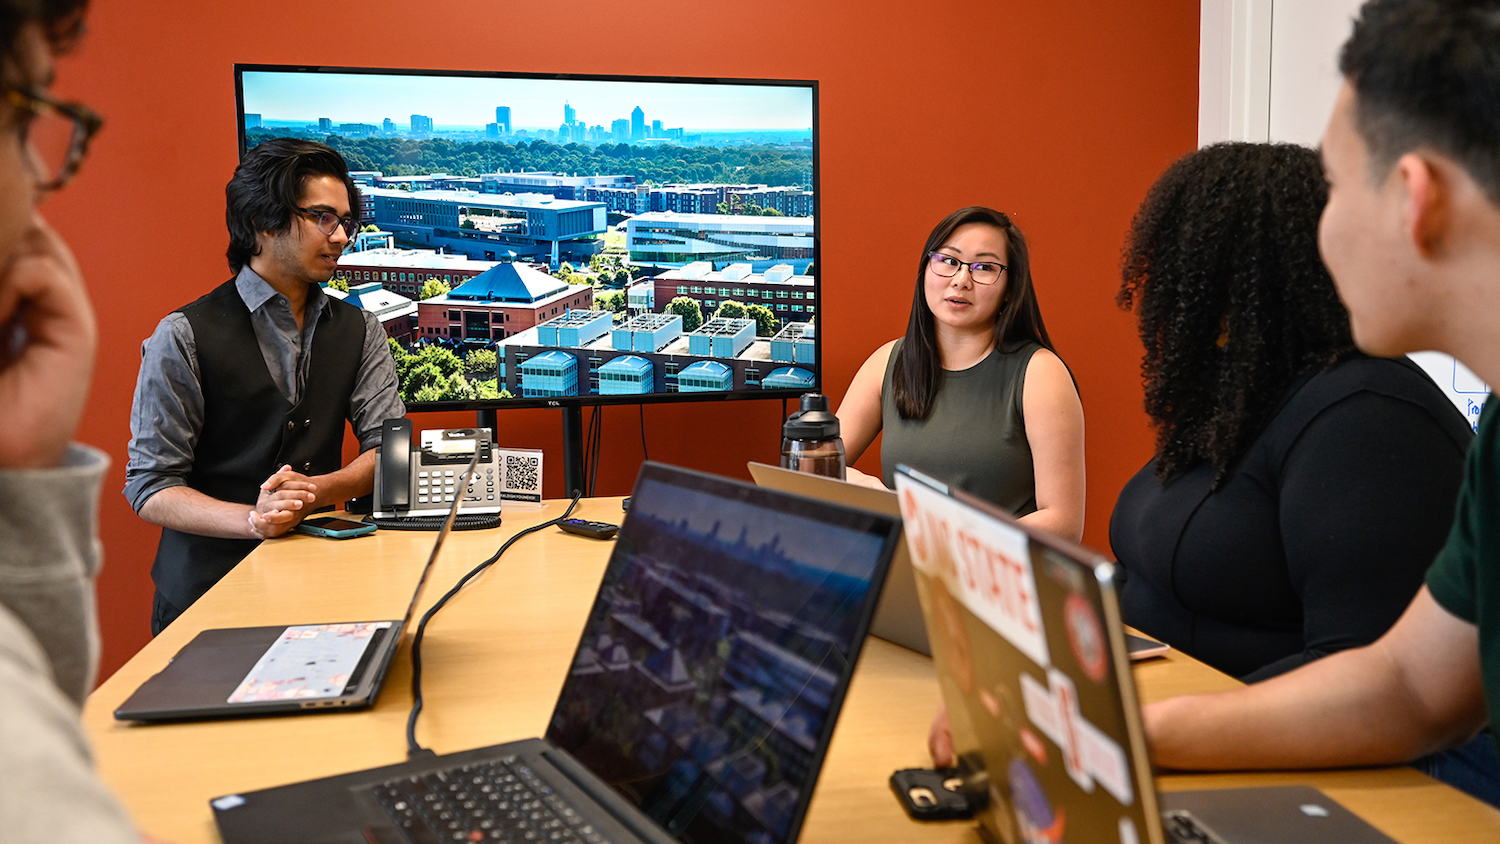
567	239
564	239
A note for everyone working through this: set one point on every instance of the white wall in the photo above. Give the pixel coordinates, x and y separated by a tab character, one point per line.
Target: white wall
1304	67
1268	71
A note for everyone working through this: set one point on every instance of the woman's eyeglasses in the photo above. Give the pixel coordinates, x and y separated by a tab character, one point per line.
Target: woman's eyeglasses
982	272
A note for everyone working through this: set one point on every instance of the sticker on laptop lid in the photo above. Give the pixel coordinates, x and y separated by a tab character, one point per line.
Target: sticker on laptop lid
1088	755
951	642
983	561
1039	822
308	662
1086	635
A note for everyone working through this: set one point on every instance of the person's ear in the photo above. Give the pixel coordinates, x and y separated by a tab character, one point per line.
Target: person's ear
1426	202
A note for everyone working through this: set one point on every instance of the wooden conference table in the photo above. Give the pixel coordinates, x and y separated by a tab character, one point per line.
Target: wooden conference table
495	660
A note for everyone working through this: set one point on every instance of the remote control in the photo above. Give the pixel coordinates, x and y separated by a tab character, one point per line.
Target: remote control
584	527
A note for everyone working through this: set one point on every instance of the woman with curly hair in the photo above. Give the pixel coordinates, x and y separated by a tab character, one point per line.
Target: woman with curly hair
974	393
1300	488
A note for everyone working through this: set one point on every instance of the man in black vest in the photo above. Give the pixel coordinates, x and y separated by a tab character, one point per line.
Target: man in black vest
238	424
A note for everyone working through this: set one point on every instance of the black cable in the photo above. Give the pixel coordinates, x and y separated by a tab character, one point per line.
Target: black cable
414	750
645	452
598	448
591	451
588	441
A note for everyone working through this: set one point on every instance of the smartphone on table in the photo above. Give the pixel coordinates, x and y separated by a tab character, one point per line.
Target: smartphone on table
334	528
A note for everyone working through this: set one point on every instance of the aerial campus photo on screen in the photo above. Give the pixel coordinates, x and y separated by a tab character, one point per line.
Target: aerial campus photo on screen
711	662
541	238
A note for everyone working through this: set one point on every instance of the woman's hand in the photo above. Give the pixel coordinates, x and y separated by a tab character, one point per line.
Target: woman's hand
858	478
940	740
47	342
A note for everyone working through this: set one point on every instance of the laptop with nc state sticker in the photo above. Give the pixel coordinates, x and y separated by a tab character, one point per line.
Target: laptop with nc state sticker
1031	656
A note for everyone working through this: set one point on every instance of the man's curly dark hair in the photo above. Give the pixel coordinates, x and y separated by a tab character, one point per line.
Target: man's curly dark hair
1233	302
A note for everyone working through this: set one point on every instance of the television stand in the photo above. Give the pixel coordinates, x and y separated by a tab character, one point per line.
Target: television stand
572	444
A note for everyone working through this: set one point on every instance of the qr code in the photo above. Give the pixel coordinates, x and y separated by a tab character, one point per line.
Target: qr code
521	472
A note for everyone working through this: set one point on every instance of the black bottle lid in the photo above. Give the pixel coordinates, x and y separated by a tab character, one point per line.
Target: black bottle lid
813	421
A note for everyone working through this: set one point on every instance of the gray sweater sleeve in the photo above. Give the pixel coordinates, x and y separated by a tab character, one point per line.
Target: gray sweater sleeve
49	646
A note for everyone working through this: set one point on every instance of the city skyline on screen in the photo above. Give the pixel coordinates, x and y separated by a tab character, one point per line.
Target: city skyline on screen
469	102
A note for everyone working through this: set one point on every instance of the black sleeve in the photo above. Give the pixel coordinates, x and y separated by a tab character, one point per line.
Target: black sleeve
1366	499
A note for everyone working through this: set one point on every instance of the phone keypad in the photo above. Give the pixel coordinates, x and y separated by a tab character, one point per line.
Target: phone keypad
439	486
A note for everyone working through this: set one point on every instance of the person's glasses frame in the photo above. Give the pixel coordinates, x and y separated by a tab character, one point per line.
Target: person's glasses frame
86	123
328	222
947	266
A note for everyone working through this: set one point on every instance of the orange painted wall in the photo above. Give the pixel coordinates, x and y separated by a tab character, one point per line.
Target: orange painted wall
1060	113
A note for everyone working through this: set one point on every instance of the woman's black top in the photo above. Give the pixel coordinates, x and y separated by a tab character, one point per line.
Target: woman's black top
1318	537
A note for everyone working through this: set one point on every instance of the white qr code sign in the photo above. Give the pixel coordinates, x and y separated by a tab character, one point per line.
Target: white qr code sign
520	478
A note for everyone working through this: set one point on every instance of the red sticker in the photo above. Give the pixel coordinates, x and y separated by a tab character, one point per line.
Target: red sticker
991	703
1034	745
1086	635
950	627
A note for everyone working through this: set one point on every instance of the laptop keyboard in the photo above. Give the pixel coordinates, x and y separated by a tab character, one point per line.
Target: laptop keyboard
498	800
1182	828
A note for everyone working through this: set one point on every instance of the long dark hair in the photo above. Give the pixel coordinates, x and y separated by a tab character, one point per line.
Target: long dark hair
1225	249
918	371
263	194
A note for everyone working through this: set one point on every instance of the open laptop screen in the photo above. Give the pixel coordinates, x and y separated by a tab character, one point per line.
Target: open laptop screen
718	651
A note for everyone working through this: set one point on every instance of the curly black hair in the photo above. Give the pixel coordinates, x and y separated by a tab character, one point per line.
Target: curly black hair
1222	270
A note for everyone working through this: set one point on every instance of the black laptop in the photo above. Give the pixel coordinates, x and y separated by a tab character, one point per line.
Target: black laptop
241	671
699	706
1026	636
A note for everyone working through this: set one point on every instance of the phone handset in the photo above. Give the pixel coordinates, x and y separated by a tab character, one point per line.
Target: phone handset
394	492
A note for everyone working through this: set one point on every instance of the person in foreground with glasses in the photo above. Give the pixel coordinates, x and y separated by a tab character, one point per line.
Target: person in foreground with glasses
974	393
238	424
49	486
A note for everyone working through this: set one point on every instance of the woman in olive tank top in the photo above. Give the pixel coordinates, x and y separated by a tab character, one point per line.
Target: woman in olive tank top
973	394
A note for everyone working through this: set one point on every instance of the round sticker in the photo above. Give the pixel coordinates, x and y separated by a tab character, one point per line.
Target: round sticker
950	626
1034	815
1086	635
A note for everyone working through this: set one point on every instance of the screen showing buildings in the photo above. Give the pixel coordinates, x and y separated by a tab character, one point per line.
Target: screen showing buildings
544	240
717	653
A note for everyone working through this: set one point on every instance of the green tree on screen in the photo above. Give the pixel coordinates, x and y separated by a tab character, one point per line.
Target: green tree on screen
766	322
730	309
480	361
610	300
690	311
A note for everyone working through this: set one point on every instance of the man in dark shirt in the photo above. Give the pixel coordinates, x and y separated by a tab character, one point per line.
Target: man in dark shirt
237	428
1411	235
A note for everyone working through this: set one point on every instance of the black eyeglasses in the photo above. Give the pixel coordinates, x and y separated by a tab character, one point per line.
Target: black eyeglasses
329	221
982	272
56	132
